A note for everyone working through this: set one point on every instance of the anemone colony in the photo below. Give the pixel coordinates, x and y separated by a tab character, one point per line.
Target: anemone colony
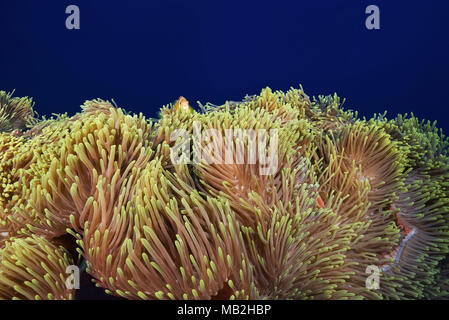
100	187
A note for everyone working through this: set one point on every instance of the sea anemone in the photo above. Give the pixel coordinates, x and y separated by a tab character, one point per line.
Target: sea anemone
15	113
278	196
33	268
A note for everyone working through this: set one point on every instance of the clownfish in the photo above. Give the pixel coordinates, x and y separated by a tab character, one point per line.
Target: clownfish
320	202
403	226
17	133
183	105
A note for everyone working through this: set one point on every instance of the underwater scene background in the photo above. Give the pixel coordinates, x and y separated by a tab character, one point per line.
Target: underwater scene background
348	196
144	54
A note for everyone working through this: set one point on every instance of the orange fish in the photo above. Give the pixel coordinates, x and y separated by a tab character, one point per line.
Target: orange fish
183	104
403	226
320	202
17	133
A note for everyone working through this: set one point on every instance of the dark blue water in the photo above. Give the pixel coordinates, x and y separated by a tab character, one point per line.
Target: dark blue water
145	54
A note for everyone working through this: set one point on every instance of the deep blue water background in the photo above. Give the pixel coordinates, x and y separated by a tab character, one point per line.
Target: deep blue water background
144	54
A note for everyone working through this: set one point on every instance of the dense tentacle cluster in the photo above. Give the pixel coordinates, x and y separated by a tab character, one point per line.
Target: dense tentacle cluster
276	197
34	268
15	113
